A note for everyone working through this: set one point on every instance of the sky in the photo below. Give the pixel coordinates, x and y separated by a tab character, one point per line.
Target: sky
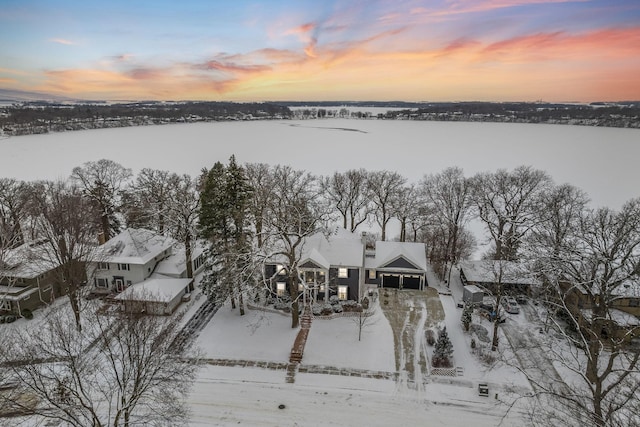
276	50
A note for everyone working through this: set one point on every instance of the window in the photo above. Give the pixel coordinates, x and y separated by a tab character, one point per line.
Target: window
372	274
280	288
123	267
280	269
343	273
342	292
102	283
300	287
5	305
103	266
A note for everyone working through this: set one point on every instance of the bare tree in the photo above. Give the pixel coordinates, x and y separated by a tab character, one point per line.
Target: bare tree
295	210
508	205
14	198
147	200
182	210
591	271
260	178
119	370
67	236
102	182
385	188
448	197
348	192
407	208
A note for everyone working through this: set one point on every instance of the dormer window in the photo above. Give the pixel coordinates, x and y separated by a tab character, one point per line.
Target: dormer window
123	267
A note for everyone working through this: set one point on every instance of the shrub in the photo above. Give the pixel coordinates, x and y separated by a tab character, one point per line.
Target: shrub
337	308
473	343
327	309
316	309
281	305
431	336
27	314
365	303
349	305
1	319
9	318
333	299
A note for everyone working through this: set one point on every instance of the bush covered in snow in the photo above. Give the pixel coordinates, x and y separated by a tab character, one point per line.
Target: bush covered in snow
327	309
316	309
431	336
337	308
443	351
333	299
284	306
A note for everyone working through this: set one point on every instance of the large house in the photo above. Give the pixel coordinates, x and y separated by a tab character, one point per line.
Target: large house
28	279
145	269
340	265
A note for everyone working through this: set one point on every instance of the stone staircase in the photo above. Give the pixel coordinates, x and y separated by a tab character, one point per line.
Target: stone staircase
297	351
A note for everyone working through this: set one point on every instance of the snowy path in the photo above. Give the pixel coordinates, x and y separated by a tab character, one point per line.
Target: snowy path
531	354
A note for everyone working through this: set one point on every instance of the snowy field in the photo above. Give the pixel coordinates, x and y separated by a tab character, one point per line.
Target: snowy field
601	161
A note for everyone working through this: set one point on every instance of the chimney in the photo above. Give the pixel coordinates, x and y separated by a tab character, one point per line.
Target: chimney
101	240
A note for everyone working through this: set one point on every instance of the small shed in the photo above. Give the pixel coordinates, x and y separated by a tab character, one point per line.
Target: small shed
472	294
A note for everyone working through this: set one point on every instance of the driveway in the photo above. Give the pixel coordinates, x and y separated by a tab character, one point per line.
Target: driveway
409	312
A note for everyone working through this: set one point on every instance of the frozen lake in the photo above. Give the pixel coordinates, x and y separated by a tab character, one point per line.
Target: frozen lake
601	161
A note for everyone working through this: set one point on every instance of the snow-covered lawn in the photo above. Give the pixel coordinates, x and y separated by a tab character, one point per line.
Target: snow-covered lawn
256	336
335	343
226	395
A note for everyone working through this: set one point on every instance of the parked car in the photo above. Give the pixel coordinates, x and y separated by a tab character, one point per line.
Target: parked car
488	308
510	305
521	299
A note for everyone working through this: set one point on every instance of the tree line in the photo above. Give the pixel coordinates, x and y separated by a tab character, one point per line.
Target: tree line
250	213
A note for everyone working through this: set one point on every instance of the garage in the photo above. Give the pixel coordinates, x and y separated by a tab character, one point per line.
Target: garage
411	282
391	280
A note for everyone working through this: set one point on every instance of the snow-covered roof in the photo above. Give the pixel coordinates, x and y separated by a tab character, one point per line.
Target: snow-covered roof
619	317
487	271
155	289
387	252
175	264
27	261
341	249
134	246
13	293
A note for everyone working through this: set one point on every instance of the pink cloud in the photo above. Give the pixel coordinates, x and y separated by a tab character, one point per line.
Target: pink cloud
62	41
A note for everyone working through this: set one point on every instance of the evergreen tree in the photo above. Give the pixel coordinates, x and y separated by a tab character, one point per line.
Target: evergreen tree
225	198
443	350
466	316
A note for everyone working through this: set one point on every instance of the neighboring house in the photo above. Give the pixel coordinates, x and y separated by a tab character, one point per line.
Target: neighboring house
401	265
622	319
144	260
514	278
339	265
28	279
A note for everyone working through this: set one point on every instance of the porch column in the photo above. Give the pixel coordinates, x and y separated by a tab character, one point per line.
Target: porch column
326	286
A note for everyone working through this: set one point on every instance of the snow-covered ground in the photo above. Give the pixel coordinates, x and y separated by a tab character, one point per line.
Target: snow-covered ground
336	383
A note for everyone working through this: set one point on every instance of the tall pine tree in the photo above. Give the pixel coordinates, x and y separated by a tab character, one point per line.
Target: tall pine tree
225	198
